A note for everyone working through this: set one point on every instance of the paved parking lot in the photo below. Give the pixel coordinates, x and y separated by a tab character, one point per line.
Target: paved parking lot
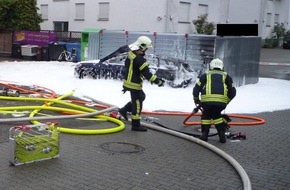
154	160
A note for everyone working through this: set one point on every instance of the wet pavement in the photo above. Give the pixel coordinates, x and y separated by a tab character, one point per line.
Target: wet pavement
275	63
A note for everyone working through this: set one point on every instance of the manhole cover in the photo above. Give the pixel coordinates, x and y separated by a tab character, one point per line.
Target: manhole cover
123	148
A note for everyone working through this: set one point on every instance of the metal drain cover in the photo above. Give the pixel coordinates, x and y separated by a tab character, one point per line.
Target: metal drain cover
122	147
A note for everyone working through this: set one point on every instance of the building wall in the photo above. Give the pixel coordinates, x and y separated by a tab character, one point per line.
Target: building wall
163	15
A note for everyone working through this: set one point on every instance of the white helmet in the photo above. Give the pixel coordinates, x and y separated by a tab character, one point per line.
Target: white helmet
216	63
143	43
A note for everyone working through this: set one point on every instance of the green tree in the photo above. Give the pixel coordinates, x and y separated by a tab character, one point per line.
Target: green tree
279	31
202	26
19	15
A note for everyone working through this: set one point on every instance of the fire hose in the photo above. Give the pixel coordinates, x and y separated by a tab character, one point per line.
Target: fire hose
186	122
232	161
78	111
244	177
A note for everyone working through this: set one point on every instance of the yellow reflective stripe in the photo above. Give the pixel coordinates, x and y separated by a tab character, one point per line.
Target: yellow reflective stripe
127	82
143	66
225	86
130	71
205	122
131	55
135	117
153	78
132	85
208	84
218	121
214	98
138	107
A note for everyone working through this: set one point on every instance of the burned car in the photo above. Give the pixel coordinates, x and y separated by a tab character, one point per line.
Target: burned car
176	72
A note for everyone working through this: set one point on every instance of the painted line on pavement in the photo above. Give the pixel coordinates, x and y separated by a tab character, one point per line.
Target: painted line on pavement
274	64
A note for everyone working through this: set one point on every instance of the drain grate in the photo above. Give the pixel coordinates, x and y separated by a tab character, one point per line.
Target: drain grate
122	148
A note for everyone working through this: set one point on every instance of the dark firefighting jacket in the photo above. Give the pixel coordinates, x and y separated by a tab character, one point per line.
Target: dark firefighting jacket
136	68
215	87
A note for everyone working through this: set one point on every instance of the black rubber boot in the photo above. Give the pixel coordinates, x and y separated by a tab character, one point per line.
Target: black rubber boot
221	132
137	127
123	113
124	110
204	132
222	136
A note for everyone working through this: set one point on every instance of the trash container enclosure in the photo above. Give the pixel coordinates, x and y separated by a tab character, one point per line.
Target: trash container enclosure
240	54
90	44
110	41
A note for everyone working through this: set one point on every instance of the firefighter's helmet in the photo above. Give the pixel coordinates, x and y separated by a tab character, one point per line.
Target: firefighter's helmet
143	43
216	64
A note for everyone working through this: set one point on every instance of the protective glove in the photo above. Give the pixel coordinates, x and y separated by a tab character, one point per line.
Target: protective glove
196	101
159	81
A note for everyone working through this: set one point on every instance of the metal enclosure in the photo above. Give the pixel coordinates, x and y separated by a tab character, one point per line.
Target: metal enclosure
240	54
199	48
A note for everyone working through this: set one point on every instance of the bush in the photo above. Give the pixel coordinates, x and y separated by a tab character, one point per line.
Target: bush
270	43
202	26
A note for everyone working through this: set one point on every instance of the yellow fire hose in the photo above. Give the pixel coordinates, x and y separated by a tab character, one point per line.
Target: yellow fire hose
82	112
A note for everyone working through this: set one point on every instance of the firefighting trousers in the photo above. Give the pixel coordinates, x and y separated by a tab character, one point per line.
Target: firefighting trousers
137	98
212	112
135	105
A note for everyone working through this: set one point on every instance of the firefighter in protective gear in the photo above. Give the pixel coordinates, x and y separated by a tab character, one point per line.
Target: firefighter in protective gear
216	90
136	68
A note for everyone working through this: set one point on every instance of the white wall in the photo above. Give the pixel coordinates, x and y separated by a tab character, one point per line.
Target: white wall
141	15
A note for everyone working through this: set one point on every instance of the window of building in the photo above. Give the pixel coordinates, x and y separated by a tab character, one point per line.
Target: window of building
104	11
202	9
268	21
183	12
44	11
276	19
80	11
60	26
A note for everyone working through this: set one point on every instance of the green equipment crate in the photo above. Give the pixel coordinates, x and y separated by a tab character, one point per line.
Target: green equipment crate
32	143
